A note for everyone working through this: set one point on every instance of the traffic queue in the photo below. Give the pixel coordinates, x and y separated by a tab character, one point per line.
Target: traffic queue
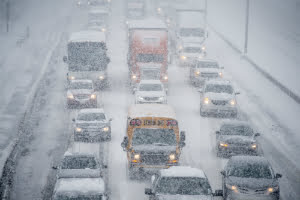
153	141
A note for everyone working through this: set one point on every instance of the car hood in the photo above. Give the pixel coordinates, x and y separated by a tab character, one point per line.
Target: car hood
80	91
79	173
151	94
154	149
184	197
219	96
231	139
252	183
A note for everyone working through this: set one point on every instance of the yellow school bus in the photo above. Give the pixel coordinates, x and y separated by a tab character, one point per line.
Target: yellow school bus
152	138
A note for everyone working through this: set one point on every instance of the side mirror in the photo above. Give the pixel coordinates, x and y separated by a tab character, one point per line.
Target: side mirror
105	166
278	175
153	178
55	167
73	119
148	191
223	173
257	134
124	144
218	193
182	144
182	136
65	59
217	132
237	93
110	119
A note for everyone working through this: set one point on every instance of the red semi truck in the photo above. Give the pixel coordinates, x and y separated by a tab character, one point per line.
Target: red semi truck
148	46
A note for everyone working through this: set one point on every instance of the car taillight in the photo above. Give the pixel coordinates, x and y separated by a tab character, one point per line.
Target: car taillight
171	123
135	122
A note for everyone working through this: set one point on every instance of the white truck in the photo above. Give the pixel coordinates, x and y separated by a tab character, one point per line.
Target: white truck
87	57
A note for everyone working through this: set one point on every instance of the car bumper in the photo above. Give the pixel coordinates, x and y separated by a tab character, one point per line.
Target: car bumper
82	103
91	136
220	110
151	102
240	196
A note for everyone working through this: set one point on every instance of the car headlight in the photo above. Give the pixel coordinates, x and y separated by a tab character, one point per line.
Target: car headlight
223	144
78	129
172	156
203	48
105	129
232	187
70	96
101	77
180	47
137	156
206	100
133	77
197	73
140	98
232	102
103	29
272	189
71	77
158	10
183	57
93	96
221	74
253	146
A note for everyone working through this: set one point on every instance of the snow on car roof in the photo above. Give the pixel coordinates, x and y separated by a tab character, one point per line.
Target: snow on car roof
81	81
150	82
182	171
151	110
235	122
80	186
218	82
147	23
91	110
87	36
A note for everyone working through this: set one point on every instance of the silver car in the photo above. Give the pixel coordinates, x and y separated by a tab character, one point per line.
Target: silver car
219	98
180	182
81	93
248	178
92	125
188	53
150	91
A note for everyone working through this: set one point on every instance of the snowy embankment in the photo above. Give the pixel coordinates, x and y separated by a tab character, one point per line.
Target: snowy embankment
274	35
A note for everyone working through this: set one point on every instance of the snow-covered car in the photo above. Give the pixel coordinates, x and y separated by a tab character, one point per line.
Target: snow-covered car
181	182
204	69
188	53
79	165
92	125
81	93
236	137
218	97
80	188
150	91
250	177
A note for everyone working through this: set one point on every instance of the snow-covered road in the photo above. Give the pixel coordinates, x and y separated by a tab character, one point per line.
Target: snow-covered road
48	125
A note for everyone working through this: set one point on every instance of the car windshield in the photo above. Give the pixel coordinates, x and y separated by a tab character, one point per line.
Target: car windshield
81	85
250	170
149	74
79	162
217	88
230	129
146	58
91	117
192	50
150	87
192	32
207	65
78	197
144	136
183	186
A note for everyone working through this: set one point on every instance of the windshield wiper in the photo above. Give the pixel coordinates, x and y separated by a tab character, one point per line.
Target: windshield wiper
160	144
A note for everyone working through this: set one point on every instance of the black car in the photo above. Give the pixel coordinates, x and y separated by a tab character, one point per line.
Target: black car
248	178
236	137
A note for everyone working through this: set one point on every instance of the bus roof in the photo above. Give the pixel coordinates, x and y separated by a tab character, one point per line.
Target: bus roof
87	36
149	23
151	110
